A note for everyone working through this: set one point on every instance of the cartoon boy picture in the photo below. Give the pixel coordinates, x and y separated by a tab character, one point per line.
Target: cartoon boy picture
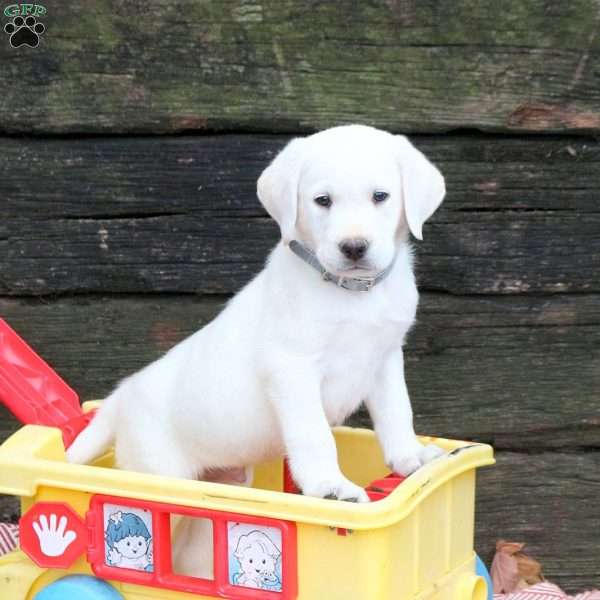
128	542
257	556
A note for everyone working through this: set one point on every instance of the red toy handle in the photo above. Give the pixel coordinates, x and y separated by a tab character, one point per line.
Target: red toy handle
33	391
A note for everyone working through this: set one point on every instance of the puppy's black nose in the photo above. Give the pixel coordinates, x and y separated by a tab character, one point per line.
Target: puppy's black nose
354	248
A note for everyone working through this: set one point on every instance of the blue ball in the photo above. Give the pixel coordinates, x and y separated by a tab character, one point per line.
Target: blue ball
79	587
482	571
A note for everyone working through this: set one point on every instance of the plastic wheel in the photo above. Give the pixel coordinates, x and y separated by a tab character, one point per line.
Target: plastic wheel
79	587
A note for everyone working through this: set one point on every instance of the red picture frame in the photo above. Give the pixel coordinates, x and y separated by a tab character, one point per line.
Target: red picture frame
162	575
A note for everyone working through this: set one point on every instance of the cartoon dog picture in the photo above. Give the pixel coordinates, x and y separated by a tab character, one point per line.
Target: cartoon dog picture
258	559
128	542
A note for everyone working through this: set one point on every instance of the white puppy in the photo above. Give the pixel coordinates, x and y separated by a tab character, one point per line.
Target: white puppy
295	351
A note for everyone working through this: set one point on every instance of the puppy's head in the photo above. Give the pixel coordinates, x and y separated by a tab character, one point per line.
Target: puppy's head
351	194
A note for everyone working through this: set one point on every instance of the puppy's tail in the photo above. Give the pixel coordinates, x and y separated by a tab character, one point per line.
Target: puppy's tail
98	436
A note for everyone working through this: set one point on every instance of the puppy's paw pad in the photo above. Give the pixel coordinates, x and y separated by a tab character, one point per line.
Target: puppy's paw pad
350	492
334	497
344	490
358	497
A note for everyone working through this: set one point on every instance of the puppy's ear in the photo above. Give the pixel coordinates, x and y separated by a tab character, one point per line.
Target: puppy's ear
277	187
423	185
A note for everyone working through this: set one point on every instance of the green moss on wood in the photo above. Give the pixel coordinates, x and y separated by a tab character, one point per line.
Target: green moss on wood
412	66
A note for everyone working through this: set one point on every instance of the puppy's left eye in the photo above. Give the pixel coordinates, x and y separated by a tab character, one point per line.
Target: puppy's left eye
323	200
380	197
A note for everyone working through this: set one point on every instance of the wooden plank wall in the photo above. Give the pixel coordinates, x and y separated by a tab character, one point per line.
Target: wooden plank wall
130	144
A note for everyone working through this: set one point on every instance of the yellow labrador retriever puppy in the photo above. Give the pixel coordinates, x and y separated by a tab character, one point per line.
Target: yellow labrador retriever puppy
317	332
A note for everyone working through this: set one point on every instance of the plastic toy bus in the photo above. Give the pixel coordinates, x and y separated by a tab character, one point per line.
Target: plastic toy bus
93	532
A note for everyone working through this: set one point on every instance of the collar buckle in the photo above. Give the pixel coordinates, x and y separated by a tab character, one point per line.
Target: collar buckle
367	283
356	284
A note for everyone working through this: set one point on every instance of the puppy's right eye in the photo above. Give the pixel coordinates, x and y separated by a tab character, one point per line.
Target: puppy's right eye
324	200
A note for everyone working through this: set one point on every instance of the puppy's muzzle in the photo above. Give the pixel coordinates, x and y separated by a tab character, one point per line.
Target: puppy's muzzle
354	248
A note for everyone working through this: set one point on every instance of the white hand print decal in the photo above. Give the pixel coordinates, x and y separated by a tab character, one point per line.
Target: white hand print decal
54	540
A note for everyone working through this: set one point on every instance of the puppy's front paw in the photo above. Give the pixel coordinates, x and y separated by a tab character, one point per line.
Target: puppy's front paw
411	461
336	490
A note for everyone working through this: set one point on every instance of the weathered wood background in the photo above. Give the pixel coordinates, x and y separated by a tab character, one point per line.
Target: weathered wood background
116	242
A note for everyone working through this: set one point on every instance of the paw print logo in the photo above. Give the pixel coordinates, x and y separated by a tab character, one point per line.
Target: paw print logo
24	31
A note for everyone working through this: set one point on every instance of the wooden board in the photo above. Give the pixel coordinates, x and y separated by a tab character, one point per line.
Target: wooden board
518	372
9	509
180	214
280	65
549	501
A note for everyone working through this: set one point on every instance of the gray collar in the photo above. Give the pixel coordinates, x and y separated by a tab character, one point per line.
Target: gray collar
355	284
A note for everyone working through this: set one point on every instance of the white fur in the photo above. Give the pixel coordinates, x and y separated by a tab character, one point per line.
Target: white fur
291	355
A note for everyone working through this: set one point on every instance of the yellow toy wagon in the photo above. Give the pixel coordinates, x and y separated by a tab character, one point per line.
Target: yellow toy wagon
92	532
